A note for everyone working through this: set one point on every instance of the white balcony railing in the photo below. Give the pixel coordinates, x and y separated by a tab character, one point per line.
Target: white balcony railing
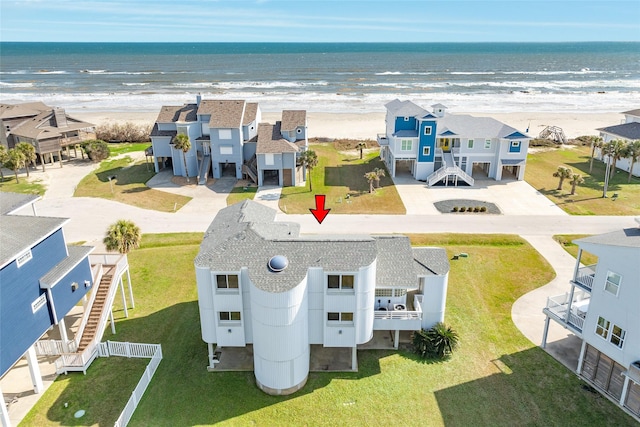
573	314
382	139
585	276
402	314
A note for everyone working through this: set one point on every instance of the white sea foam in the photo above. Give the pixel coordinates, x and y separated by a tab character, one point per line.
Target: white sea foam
51	72
135	84
8	85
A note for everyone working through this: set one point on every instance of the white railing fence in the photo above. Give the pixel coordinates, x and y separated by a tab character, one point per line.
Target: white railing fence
152	351
585	276
54	347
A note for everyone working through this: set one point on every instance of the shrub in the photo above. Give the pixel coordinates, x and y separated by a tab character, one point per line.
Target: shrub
476	209
483	208
96	150
455	209
438	342
127	132
462	209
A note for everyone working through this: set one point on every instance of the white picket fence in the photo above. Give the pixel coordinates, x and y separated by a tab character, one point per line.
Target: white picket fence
54	347
126	349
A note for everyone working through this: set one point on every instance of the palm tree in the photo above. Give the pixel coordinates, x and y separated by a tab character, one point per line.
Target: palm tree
596	142
29	153
181	142
3	157
122	236
632	152
576	179
562	173
361	146
439	341
309	159
380	173
371	177
14	160
614	149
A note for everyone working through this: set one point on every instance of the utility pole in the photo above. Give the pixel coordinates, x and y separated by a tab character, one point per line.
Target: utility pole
606	177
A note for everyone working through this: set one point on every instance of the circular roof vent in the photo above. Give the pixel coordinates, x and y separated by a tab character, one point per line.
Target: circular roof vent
278	263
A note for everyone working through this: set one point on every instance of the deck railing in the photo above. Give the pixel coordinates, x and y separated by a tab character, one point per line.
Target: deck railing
585	276
54	347
382	139
558	307
402	314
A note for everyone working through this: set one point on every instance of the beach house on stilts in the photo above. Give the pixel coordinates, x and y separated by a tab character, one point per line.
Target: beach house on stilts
287	297
450	149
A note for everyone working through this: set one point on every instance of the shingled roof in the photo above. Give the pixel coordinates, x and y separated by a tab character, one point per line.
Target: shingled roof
250	113
25	109
177	113
625	130
270	140
291	119
225	114
45	125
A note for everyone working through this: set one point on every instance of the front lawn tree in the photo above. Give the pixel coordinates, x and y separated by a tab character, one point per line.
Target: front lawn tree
3	157
371	177
309	159
380	173
596	142
122	236
361	146
29	153
576	179
438	342
615	150
14	160
632	152
562	173
181	142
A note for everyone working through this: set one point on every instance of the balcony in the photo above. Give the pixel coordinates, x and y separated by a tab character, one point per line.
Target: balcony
382	139
400	318
572	315
584	277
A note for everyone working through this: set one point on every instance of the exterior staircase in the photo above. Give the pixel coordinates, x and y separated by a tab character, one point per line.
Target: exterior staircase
554	133
449	170
250	169
205	166
92	325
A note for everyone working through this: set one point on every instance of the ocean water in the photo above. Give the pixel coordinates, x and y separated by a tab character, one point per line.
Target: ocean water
331	77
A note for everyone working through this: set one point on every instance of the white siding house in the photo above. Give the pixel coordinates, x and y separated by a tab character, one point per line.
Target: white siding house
628	131
261	283
602	307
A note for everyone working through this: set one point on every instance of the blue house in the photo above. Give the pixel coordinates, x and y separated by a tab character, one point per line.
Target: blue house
436	146
41	280
224	142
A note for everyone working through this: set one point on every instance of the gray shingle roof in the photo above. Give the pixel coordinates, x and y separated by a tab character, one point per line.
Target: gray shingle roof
19	233
467	126
177	113
45	126
430	261
76	254
25	109
156	132
245	235
626	130
405	109
10	202
628	237
270	140
291	119
635	112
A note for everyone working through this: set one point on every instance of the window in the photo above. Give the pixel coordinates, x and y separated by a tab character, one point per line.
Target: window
384	292
617	336
407	145
24	257
340	317
602	328
406	119
229	316
470	143
487	144
344	282
269	159
224	133
299	130
427	130
515	144
613	282
227	281
426	151
226	149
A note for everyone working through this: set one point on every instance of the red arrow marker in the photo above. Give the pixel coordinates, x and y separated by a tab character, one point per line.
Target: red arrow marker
320	213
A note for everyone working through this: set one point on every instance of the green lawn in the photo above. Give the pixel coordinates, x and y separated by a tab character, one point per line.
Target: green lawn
25	187
497	377
339	174
127	147
566	240
241	191
588	199
129	186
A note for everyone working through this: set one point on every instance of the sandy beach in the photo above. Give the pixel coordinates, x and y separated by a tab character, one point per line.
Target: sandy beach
368	125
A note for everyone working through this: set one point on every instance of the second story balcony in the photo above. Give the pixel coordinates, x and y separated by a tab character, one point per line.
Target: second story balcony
402	317
382	139
584	277
570	314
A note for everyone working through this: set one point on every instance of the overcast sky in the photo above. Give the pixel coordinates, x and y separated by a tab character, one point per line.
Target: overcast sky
318	21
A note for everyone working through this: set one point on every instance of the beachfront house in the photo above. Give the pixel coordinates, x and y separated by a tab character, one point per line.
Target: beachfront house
627	131
41	280
49	129
601	308
225	141
439	147
263	286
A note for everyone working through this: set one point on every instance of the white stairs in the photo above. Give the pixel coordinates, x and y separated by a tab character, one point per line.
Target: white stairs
449	169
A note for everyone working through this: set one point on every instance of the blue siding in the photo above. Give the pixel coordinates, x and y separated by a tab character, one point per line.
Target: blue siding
515	149
19	287
427	141
63	297
401	124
